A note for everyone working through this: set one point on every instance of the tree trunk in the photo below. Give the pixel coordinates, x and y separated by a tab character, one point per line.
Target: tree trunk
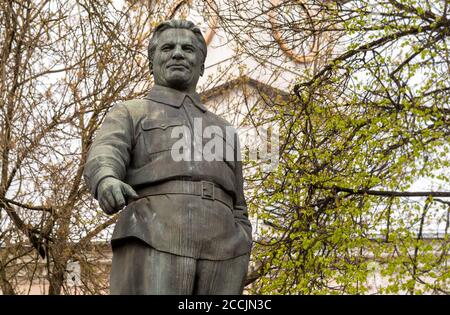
56	280
6	287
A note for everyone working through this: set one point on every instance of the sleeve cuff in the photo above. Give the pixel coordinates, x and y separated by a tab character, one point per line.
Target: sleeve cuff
97	178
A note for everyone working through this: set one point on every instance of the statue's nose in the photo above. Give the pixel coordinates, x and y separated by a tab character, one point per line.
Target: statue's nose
178	53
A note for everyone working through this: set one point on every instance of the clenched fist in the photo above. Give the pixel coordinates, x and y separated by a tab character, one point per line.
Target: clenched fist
113	193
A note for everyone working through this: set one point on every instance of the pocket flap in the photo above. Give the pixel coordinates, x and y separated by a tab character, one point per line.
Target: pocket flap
149	124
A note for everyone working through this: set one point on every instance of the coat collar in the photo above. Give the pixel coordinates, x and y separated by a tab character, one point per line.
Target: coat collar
172	97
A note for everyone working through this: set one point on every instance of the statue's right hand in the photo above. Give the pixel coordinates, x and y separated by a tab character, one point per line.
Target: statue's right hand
113	193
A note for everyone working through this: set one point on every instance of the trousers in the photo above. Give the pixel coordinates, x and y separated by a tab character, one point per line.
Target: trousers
139	269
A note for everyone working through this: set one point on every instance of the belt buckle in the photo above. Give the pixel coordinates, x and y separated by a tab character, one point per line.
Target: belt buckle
207	190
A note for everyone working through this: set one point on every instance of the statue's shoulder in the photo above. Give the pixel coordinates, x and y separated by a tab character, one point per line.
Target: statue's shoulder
137	107
220	120
135	104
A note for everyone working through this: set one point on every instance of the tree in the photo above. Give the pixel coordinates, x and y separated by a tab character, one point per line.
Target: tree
369	119
59	75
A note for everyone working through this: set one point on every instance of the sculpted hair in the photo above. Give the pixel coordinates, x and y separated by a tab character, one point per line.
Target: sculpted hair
180	24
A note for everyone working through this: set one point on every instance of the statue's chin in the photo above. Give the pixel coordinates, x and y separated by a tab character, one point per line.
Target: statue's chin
178	83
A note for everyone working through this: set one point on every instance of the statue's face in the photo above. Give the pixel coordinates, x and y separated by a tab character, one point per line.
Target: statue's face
177	61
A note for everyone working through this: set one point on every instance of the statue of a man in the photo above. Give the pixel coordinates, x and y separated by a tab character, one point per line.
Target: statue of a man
185	228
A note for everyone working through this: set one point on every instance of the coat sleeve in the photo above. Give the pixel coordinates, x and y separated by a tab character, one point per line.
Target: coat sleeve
109	154
240	206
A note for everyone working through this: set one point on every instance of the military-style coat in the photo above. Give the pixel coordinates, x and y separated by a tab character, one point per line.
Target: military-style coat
135	144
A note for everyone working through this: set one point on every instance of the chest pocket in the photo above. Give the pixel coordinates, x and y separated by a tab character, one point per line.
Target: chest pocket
157	134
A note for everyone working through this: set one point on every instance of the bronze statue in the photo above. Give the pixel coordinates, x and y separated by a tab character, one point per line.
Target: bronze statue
184	228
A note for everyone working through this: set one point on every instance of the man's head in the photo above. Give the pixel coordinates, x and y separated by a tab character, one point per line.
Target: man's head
177	53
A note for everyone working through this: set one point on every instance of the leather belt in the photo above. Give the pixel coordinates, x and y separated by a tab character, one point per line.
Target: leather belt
204	189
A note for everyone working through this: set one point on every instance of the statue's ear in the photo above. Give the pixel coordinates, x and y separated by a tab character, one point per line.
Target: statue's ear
202	69
150	66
